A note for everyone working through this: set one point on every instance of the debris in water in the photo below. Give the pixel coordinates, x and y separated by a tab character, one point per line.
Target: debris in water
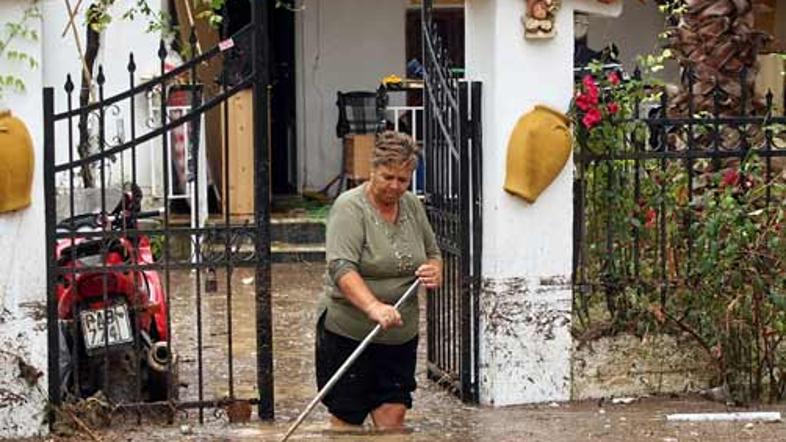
185	429
624	400
749	426
247	281
761	416
554	405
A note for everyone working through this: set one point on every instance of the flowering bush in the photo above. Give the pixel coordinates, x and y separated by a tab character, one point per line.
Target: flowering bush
689	245
588	100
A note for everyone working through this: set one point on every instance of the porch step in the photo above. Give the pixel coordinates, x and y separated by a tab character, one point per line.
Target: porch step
297	252
297	230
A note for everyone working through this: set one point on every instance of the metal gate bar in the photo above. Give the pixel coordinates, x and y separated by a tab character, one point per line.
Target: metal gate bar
453	201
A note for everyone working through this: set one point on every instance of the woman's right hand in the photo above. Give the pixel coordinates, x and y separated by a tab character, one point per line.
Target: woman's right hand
384	315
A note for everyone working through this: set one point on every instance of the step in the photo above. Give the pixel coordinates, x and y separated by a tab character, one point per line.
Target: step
297	230
297	252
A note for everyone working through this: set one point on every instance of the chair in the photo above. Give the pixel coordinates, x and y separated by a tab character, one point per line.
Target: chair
359	112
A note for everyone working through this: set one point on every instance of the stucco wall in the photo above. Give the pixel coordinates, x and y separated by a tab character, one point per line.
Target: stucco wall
23	266
626	365
341	45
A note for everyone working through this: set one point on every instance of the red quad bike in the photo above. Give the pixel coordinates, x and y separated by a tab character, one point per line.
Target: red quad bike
113	323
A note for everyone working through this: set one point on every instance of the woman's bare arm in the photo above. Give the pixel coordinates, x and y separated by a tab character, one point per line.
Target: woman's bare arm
357	292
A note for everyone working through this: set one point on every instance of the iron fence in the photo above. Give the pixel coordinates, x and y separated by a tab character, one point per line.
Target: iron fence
644	199
138	311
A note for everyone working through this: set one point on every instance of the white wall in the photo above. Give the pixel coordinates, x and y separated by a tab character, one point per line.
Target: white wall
22	263
120	39
341	45
525	306
635	32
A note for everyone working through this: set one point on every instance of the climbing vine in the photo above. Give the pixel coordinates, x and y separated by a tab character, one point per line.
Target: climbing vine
11	34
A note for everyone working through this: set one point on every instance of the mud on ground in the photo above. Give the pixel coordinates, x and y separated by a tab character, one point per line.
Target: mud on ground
437	415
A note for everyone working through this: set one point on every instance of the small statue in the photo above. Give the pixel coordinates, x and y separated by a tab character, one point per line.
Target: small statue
539	21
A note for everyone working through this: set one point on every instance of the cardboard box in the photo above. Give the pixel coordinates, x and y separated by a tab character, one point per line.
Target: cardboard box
357	155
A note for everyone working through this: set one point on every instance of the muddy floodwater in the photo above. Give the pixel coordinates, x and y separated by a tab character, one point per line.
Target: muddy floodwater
437	415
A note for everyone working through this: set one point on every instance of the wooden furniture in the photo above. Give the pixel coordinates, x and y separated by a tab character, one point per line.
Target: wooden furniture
357	156
240	135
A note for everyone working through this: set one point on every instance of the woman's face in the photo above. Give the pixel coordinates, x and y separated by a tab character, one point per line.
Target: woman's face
389	181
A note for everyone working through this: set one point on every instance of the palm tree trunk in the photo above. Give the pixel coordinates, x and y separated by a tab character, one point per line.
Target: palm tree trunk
716	44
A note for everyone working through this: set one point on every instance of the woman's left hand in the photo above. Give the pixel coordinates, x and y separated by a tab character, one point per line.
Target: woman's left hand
430	275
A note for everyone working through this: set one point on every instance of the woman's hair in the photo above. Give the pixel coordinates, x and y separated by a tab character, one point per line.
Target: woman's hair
392	147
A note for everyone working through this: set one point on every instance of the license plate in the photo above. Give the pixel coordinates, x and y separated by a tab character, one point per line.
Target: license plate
118	327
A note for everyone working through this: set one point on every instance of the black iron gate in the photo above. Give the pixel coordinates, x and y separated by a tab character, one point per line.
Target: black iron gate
453	200
172	312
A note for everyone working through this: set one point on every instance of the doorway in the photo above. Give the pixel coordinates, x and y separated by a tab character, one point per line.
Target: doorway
281	106
282	98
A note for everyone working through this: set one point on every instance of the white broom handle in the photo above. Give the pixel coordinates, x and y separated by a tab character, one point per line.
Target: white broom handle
345	366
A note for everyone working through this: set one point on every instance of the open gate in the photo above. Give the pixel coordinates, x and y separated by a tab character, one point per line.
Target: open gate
165	315
453	201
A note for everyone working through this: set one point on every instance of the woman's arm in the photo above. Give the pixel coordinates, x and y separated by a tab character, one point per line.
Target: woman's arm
357	292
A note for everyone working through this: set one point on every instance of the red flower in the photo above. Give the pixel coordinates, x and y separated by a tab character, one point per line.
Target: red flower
649	221
613	108
730	178
613	78
591	87
585	102
592	118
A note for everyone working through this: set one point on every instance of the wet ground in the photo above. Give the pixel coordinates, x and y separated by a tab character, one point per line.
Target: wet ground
437	415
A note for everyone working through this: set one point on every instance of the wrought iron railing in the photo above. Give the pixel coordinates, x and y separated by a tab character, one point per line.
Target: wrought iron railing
676	205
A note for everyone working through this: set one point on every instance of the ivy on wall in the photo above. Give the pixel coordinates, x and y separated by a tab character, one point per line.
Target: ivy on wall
11	34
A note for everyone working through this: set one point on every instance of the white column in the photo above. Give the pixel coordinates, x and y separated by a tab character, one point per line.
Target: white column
23	262
525	342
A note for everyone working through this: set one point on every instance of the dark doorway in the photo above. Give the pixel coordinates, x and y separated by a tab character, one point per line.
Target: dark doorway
449	22
282	98
281	34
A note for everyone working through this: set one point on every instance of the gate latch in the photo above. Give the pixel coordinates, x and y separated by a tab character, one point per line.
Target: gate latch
211	282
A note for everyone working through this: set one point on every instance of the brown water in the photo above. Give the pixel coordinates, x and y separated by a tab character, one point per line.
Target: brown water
437	415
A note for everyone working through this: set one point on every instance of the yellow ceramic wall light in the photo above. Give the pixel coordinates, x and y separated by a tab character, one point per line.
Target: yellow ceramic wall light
16	163
538	149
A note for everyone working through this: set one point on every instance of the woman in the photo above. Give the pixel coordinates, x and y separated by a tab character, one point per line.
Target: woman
379	241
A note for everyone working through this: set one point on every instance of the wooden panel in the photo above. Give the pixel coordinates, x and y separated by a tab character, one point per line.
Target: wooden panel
240	134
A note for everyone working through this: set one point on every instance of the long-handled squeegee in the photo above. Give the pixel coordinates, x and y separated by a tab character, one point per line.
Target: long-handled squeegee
350	360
